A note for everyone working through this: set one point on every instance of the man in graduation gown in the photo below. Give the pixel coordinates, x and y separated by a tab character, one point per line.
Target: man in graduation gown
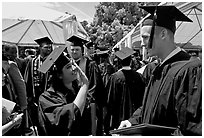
173	96
125	91
96	92
105	66
36	82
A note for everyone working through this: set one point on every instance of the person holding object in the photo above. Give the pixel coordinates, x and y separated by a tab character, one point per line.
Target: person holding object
173	97
125	90
93	113
15	122
36	82
62	104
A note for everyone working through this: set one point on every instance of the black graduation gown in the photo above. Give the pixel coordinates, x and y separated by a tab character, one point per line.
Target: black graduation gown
35	80
58	115
106	70
148	71
96	87
125	93
96	94
173	96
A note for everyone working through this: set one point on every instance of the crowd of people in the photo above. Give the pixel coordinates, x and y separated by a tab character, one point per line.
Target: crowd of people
63	93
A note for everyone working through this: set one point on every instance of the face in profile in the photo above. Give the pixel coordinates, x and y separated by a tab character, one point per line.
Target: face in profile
69	72
145	38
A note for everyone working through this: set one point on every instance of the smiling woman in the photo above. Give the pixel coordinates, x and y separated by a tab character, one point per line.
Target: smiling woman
62	104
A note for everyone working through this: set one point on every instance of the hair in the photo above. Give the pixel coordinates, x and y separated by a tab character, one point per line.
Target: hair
6	47
4	57
159	29
59	64
126	61
57	82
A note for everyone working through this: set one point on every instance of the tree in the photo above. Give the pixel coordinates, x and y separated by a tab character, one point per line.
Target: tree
113	20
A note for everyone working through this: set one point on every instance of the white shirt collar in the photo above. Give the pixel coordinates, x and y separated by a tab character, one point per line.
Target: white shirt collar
125	68
174	52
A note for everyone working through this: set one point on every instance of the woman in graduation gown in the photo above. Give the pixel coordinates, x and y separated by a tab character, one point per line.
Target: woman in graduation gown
62	105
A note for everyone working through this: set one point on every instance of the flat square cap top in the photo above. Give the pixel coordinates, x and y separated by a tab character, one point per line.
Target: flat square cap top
77	41
46	39
124	53
166	16
50	60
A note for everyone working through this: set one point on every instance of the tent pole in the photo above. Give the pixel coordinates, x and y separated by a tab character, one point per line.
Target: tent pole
12	26
25	32
57	24
47	30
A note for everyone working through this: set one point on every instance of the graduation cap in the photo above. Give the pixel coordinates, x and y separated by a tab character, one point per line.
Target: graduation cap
165	16
124	53
116	49
89	44
43	40
77	41
56	57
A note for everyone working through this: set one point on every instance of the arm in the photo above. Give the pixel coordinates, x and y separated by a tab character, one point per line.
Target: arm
96	86
19	85
133	120
189	100
80	99
12	123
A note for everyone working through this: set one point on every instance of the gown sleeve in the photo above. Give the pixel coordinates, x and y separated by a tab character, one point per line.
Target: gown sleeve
19	85
189	98
96	87
60	116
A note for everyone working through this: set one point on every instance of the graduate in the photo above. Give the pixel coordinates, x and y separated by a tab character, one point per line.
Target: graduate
93	114
37	82
62	104
105	66
125	90
173	97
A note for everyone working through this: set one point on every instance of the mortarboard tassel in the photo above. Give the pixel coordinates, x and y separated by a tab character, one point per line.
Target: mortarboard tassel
153	28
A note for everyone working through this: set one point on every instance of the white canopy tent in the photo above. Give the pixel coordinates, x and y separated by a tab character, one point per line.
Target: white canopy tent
23	22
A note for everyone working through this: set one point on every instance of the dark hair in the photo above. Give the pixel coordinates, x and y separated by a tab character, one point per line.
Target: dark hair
4	57
61	61
58	84
126	61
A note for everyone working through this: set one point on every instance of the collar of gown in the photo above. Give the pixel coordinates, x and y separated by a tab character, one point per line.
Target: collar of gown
174	52
125	68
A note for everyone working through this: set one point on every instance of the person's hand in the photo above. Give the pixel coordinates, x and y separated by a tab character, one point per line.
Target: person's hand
125	124
17	119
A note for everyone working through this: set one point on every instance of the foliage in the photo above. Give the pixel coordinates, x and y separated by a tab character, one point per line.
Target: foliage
113	20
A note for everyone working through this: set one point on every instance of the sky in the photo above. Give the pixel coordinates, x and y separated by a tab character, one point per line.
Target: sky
82	10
